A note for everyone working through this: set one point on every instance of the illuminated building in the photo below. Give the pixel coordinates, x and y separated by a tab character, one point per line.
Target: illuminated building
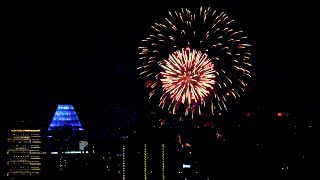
65	133
67	152
127	157
187	154
123	162
115	157
163	162
157	153
24	152
185	162
145	169
65	117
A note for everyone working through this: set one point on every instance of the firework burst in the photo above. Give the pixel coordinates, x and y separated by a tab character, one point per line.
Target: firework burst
187	78
195	62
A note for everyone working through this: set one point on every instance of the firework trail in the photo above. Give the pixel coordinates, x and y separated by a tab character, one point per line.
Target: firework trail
195	62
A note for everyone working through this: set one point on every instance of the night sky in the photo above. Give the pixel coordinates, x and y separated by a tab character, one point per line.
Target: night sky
85	53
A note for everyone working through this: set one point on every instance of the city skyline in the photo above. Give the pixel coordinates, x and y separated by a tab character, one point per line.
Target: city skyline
238	143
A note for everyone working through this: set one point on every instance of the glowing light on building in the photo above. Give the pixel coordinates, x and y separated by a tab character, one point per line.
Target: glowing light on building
279	114
186	166
123	162
145	161
65	117
162	162
24	152
62	162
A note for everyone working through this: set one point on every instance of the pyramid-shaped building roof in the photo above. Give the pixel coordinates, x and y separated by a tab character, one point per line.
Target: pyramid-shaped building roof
65	117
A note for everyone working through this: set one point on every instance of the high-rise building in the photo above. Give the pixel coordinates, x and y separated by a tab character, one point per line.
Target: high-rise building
65	132
118	158
66	152
24	152
132	157
154	161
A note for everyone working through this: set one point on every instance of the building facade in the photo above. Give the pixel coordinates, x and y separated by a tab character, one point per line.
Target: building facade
24	153
66	153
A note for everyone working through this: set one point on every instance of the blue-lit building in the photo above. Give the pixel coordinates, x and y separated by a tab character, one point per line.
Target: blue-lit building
66	152
65	132
65	117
